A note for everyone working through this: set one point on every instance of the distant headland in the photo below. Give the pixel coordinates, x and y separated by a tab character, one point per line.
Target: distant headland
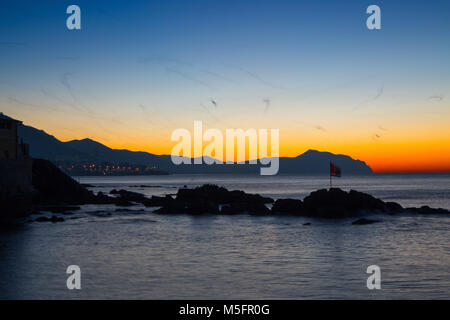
88	157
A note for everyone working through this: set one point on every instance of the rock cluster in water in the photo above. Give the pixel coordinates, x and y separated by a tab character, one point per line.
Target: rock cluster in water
331	203
212	199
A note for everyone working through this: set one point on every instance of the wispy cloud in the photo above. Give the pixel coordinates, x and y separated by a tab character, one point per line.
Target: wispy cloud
218	76
66	82
436	98
311	126
30	104
320	128
256	77
58	99
377	95
164	61
266	102
189	77
154	116
376	136
185	69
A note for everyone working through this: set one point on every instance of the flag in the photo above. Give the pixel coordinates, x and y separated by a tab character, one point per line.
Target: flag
335	171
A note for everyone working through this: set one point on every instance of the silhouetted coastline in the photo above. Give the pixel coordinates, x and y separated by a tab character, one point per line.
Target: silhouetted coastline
89	157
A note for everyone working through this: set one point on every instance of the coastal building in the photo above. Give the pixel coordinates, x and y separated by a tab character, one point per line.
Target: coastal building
10	147
16	189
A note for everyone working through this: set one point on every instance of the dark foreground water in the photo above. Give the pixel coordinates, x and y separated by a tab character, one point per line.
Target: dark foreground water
142	255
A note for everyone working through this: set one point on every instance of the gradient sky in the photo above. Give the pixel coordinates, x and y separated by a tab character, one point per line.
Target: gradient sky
140	69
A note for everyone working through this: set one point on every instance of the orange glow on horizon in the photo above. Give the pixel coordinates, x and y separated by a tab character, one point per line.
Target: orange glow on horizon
404	158
399	150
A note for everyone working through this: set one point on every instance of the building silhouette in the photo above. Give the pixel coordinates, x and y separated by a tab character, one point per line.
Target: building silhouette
10	147
16	189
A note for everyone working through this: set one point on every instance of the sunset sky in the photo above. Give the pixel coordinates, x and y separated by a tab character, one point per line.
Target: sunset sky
137	70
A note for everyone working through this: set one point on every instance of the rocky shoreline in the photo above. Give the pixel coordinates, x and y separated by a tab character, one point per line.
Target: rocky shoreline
211	199
58	193
331	203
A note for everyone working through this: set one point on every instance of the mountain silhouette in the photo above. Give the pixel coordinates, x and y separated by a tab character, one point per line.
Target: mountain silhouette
314	162
45	146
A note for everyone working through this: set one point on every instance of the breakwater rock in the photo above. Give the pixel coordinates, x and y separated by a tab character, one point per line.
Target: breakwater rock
215	199
325	203
57	191
55	187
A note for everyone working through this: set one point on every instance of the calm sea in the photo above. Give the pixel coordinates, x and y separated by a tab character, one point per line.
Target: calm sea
141	255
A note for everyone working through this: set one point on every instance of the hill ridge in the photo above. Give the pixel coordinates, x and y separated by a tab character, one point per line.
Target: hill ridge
46	146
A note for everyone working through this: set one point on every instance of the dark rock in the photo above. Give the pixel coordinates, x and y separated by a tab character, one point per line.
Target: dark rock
202	206
242	207
233	208
156	201
206	199
332	203
427	210
219	195
393	207
363	201
55	219
173	206
55	187
336	203
52	219
123	203
101	198
288	206
129	195
364	221
307	224
258	209
42	219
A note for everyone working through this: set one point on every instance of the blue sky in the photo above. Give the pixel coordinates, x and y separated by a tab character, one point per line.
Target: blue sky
156	65
280	44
